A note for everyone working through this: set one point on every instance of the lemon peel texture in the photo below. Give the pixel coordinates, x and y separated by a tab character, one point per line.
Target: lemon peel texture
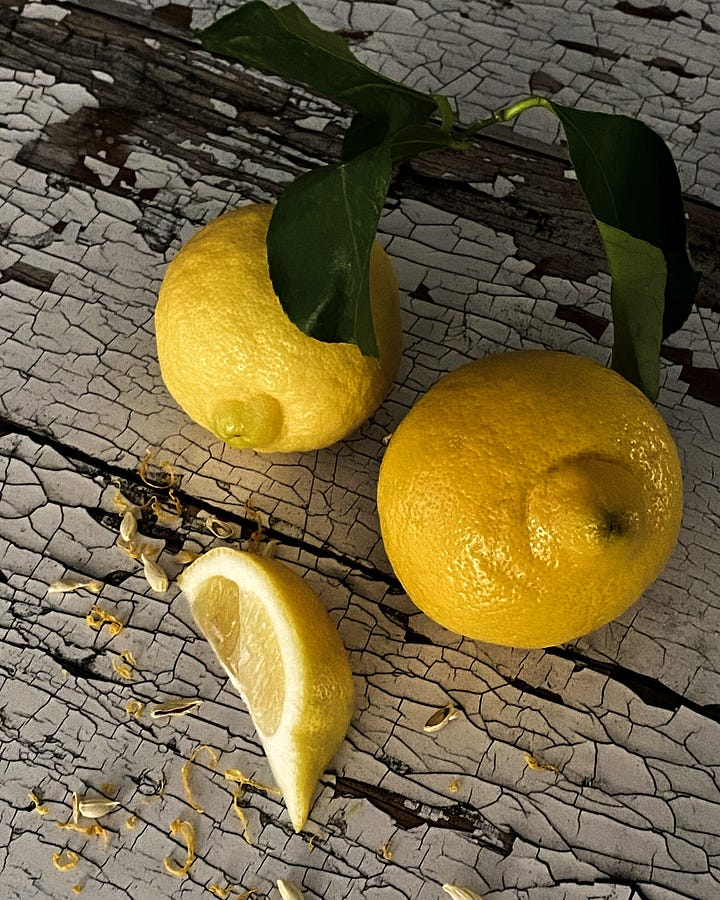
529	498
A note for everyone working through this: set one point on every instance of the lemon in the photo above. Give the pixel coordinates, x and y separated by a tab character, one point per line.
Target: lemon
238	366
283	654
529	498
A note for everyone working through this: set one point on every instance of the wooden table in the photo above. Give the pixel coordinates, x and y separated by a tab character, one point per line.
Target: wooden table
119	139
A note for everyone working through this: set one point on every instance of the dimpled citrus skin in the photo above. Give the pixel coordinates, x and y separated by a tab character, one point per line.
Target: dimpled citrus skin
529	498
237	365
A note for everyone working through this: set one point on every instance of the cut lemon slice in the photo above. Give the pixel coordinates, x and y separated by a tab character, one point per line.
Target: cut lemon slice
283	654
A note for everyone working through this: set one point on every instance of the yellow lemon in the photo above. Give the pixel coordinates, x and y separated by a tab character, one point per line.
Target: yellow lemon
285	657
529	498
237	365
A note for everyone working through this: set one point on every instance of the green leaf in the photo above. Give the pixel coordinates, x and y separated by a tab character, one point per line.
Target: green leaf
629	178
319	242
285	42
639	274
322	230
364	132
324	225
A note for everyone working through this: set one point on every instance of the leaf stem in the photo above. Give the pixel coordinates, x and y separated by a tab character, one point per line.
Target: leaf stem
502	116
447	114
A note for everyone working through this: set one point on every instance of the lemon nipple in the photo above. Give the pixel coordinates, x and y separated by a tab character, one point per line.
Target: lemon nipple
253	421
581	503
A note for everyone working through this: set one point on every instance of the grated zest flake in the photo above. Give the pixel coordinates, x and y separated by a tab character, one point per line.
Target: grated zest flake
97	617
311	841
134	708
68	585
123	505
123	670
240	813
187	831
224	892
179	707
39	806
440	718
244	781
70	860
161	514
257	535
94	830
128	657
185	772
168	479
176	503
537	766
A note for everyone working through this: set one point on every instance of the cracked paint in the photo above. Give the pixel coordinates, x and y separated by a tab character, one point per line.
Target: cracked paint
642	779
113	152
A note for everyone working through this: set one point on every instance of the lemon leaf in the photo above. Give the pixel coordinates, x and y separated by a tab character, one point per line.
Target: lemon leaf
285	42
323	228
639	274
321	234
319	242
629	178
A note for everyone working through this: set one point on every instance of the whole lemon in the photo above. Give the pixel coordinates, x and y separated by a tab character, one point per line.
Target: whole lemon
529	498
237	365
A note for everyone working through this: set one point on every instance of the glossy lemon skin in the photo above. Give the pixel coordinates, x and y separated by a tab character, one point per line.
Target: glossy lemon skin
529	498
238	366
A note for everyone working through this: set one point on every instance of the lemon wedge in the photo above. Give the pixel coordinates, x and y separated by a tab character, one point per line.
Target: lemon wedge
283	654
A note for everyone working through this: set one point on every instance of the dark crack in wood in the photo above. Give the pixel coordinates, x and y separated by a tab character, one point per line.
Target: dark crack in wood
410	814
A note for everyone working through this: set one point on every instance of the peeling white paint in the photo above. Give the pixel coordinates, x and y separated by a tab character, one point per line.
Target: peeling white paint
225	109
44	11
106	173
71	97
500	187
103	76
313	123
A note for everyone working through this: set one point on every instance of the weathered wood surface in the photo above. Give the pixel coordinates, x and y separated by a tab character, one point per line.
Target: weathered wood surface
119	138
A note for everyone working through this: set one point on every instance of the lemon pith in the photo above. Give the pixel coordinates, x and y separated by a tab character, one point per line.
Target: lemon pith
529	498
238	366
283	654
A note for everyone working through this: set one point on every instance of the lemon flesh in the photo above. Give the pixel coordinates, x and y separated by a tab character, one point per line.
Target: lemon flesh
238	366
529	498
285	657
